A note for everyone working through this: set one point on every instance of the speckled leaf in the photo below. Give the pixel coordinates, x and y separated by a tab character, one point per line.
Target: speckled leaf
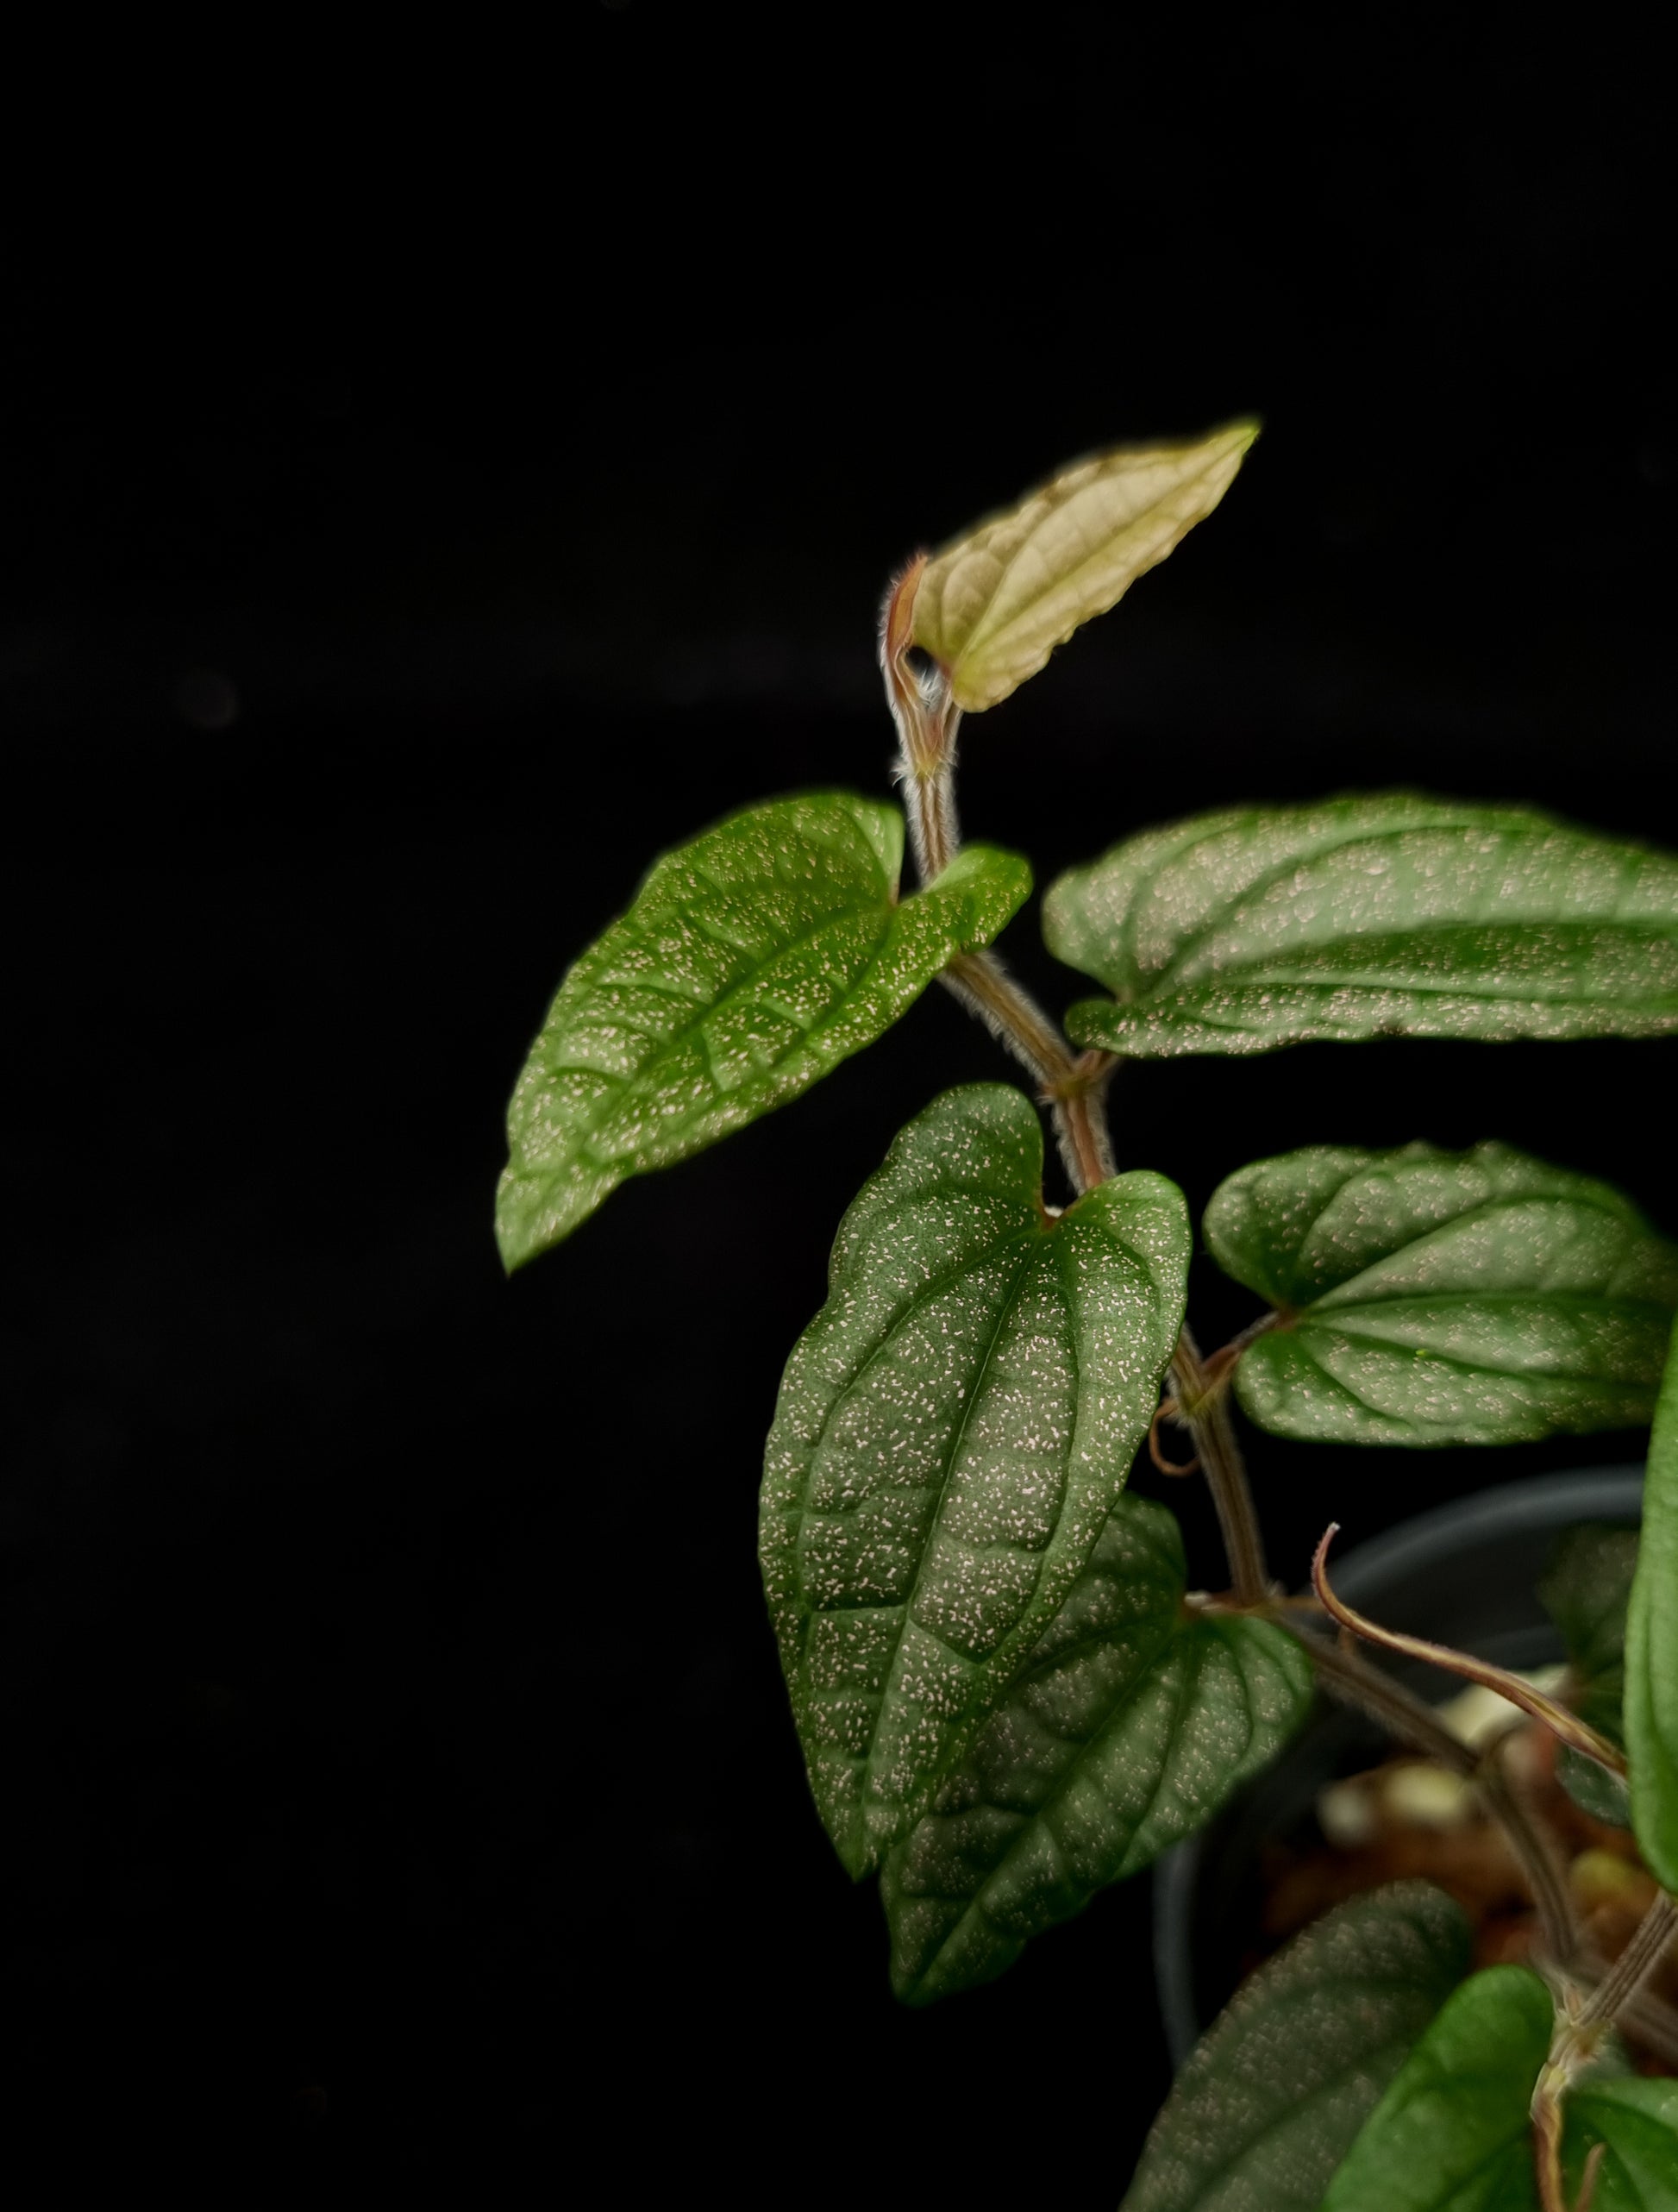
1651	1649
954	1428
754	961
1453	2132
992	606
1585	1592
1130	1725
1637	2121
1269	2102
1432	1298
1392	915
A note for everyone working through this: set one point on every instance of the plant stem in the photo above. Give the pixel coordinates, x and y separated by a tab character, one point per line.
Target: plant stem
1354	1681
1632	1968
927	719
1204	1410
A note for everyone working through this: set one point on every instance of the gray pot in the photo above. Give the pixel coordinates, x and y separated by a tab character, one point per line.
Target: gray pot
1464	1575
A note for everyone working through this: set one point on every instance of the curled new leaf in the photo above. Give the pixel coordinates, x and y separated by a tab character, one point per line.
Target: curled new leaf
992	607
953	1430
1431	1298
1651	1649
1390	915
1277	2090
1131	1723
752	962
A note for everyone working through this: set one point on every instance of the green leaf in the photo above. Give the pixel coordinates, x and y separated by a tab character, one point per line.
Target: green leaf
1453	2132
992	607
1266	2109
1130	1725
954	1428
1585	1593
1651	1649
752	962
1391	915
1638	2123
1431	1298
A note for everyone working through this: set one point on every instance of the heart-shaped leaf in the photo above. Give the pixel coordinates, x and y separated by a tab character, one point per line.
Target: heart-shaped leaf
1585	1592
1130	1726
1275	2094
992	606
1392	915
1651	1649
1432	1298
953	1430
1453	2132
1636	2123
753	961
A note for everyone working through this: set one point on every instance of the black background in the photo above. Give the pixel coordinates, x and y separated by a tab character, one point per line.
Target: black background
432	486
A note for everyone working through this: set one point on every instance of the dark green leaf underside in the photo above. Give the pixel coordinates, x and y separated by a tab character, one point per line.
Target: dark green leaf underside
1651	1649
1272	2097
1130	1725
953	1430
753	961
1387	915
1434	1298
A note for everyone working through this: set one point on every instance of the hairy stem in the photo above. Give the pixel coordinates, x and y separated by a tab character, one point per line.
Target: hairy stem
927	719
1204	1409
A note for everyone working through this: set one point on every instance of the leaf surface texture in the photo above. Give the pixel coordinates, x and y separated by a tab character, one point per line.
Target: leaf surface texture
1387	915
1130	1725
1269	2102
992	606
753	961
1433	1298
952	1432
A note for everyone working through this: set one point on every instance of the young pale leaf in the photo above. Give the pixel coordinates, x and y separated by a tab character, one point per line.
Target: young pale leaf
992	606
1453	2132
1391	915
1636	2123
1130	1725
1651	1649
953	1430
1432	1298
1268	2106
753	961
1585	1593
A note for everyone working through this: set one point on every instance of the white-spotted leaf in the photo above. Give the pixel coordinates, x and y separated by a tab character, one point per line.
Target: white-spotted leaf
1389	915
753	961
992	607
953	1430
1276	2090
1433	1298
1130	1725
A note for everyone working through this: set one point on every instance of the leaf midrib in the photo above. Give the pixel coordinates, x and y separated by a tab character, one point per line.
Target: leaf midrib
889	1686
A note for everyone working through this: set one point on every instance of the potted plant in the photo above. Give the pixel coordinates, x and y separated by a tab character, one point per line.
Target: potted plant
1006	1695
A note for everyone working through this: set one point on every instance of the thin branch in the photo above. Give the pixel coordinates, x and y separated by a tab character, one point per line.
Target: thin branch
1354	1681
1205	1412
1632	1968
1567	1726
